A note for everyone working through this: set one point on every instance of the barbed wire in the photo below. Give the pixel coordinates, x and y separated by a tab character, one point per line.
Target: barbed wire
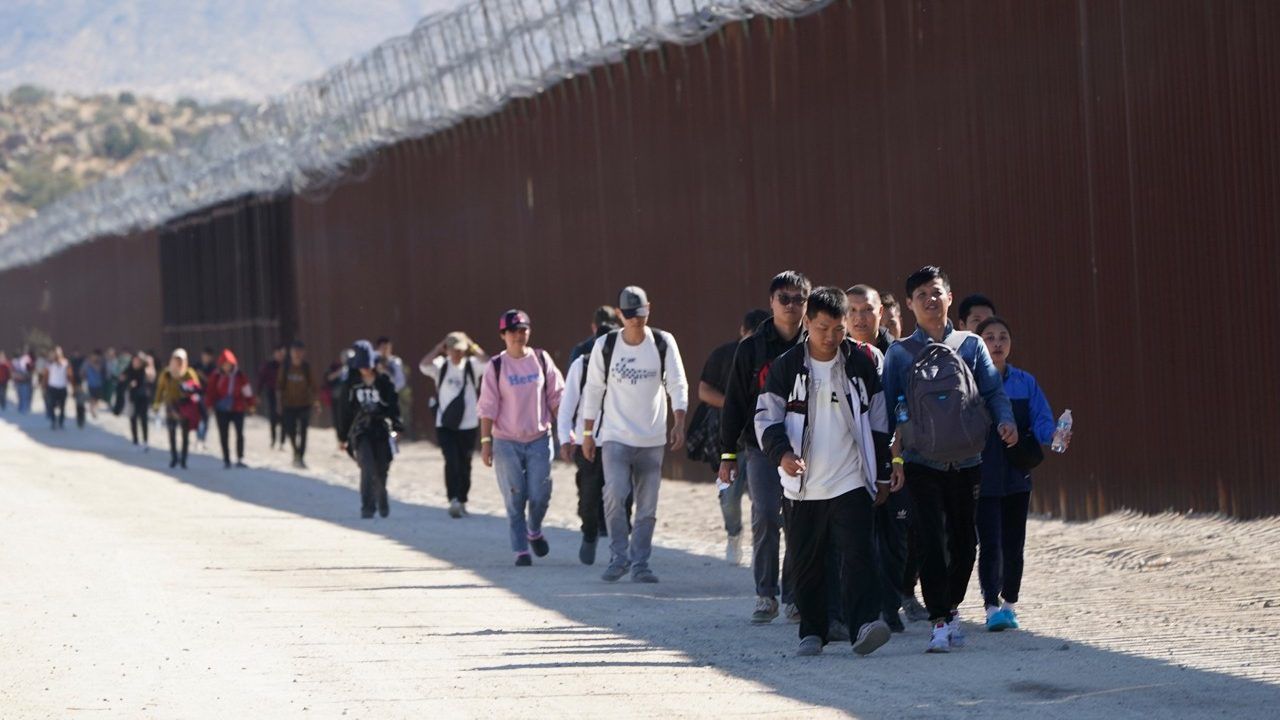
457	65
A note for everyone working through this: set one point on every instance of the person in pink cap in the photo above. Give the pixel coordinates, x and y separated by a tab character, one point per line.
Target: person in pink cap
519	395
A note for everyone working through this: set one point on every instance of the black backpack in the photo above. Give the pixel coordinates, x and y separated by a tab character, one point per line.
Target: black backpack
451	417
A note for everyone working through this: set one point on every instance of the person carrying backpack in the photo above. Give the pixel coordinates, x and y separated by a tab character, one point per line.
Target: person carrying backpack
630	371
519	396
944	382
370	426
455	366
229	393
589	476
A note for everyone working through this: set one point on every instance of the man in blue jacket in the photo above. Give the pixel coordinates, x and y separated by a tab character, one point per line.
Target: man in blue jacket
945	491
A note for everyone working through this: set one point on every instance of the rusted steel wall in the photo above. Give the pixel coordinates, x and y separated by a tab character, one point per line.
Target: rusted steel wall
227	279
99	294
1105	170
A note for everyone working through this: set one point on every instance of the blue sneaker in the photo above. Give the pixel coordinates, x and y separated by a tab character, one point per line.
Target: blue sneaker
1013	616
1000	619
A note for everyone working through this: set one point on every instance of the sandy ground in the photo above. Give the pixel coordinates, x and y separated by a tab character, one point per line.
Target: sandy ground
134	591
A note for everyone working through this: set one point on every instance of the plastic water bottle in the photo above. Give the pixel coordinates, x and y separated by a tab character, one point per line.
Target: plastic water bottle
1064	427
721	486
900	410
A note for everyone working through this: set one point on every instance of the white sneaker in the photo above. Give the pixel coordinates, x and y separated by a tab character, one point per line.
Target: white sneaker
871	636
957	632
733	550
455	509
940	640
791	612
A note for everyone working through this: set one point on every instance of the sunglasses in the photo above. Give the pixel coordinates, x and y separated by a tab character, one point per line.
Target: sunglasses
798	299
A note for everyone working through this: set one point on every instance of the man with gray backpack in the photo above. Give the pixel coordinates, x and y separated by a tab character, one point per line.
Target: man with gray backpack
944	392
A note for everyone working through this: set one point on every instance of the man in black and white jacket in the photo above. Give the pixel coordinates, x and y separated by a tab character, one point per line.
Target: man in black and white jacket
822	420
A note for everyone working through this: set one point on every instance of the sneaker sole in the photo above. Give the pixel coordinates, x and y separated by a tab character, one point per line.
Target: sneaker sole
805	652
936	650
763	620
874	640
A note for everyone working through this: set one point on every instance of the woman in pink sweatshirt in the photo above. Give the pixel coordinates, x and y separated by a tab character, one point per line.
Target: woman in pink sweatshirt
519	396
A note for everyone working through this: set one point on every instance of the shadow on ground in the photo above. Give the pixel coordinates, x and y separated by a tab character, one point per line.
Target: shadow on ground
699	611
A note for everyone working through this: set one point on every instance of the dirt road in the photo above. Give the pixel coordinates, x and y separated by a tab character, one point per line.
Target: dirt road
134	591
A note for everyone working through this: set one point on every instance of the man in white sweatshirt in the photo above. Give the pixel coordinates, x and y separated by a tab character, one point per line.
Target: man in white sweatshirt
630	370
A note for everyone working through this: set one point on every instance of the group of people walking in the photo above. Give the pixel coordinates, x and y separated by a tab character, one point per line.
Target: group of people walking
884	461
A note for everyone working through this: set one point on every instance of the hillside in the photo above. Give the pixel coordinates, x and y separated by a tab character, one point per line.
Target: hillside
52	144
205	49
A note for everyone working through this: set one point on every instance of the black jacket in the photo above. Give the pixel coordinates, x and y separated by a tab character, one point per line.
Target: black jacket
746	380
784	406
371	410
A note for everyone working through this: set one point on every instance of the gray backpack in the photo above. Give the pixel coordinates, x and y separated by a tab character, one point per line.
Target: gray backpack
948	420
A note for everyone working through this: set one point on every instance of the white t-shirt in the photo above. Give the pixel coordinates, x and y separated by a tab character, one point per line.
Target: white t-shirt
454	377
58	374
834	465
634	404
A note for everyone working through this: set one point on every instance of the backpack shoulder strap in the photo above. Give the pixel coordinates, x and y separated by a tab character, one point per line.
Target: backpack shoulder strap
912	345
495	366
610	342
586	365
660	340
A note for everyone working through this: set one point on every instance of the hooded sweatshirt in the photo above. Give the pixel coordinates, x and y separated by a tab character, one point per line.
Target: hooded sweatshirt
229	391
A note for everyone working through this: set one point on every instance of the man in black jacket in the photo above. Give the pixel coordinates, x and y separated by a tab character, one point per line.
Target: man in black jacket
788	295
822	421
370	426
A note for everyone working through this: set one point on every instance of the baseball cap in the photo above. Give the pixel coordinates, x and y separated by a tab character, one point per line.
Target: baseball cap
633	301
512	319
362	355
457	340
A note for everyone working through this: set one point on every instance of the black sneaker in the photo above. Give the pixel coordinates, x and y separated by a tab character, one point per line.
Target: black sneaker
366	514
173	462
587	552
540	546
226	464
523	560
894	621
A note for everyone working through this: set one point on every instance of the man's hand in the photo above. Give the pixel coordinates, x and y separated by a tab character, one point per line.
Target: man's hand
589	448
897	478
1008	433
566	452
726	469
677	436
486	453
342	446
882	493
792	464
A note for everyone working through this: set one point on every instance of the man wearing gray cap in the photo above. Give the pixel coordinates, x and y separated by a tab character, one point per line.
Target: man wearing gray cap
629	371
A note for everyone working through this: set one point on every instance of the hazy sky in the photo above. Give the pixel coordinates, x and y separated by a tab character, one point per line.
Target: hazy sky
207	49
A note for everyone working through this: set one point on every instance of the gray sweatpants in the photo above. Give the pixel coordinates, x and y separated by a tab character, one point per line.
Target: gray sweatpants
631	471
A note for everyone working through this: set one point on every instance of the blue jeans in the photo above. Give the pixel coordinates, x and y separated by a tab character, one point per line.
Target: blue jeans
524	477
24	397
731	504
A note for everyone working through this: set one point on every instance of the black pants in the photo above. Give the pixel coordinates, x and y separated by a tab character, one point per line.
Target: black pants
138	420
1002	534
457	446
176	425
295	421
57	399
843	525
4	395
590	481
80	409
946	503
374	455
892	530
226	420
273	416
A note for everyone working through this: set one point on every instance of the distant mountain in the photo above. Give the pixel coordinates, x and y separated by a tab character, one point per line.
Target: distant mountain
203	49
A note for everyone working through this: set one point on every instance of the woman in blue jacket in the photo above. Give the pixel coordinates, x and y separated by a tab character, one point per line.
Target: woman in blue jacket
1006	482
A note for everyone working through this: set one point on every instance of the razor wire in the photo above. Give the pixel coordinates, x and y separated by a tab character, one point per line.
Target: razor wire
462	64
